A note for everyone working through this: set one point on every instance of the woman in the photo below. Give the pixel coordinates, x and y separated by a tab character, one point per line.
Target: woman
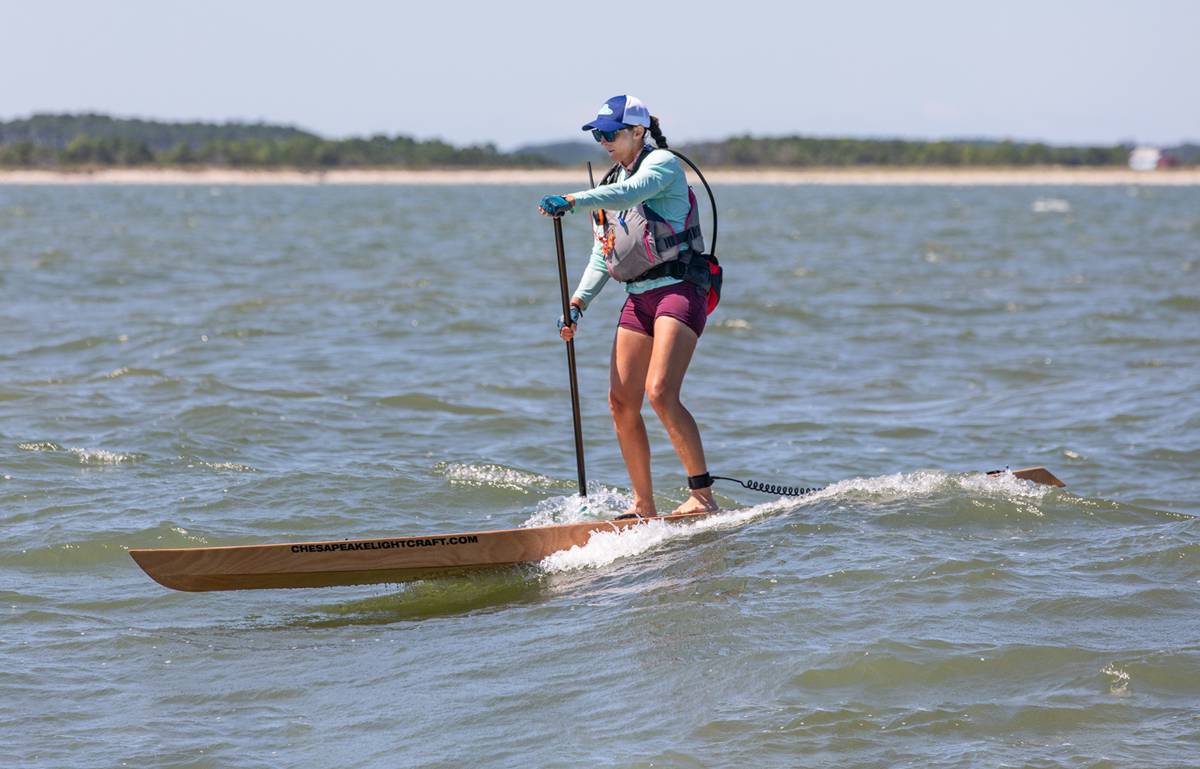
666	309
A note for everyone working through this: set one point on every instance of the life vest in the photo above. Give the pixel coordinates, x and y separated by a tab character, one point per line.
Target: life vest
638	244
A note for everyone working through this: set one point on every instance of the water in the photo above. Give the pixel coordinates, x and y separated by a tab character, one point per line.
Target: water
216	366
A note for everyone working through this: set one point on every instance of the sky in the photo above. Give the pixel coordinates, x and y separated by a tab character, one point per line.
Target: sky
515	73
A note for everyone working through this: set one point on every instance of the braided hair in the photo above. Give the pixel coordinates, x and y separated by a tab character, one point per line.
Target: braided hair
656	133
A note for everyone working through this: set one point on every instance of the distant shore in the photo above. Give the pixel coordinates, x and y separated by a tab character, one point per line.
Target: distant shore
575	177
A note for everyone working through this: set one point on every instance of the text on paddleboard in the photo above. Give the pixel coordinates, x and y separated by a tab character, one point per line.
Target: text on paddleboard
385	544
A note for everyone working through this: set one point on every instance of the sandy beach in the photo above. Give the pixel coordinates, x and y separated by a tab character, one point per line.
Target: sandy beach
572	177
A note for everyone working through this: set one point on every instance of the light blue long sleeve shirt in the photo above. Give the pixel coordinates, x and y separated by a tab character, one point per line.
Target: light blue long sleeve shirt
661	184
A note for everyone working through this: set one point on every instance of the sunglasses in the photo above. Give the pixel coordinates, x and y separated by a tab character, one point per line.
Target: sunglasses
605	136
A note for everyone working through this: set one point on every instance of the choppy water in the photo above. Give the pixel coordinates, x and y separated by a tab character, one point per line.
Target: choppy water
193	366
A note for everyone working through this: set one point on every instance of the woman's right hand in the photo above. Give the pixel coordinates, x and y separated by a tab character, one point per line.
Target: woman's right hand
556	205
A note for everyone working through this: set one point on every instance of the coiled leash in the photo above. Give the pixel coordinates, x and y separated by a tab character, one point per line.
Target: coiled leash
705	480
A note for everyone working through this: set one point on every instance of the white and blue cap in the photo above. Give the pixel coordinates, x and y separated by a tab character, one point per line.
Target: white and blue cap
620	112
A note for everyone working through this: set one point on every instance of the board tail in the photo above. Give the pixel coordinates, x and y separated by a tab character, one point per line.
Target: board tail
1036	474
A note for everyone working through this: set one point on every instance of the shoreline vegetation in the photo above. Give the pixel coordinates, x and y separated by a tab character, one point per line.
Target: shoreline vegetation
576	177
100	149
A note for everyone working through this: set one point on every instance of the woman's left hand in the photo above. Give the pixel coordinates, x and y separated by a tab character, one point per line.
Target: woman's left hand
555	205
567	330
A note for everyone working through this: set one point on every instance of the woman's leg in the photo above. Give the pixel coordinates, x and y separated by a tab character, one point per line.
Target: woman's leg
626	390
673	345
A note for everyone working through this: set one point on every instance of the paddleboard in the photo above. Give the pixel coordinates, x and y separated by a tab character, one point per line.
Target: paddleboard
366	561
389	559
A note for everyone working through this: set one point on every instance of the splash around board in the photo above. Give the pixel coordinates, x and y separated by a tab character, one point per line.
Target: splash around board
390	559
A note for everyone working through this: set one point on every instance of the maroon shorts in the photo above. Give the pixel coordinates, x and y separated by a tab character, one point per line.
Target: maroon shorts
685	302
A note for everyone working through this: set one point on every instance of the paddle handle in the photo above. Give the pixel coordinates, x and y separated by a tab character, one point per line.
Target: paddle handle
566	313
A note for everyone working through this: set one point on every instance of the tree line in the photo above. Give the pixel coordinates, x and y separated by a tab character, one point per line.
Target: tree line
75	141
57	131
306	152
91	140
801	151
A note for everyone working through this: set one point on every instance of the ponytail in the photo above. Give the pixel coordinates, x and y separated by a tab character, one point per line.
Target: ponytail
657	134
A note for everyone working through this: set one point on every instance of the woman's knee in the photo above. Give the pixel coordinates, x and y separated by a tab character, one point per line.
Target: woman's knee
663	397
621	402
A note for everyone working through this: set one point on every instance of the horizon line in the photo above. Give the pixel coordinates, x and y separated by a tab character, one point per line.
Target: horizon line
1127	141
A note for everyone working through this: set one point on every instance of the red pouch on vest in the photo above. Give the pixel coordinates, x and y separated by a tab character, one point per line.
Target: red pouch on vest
716	276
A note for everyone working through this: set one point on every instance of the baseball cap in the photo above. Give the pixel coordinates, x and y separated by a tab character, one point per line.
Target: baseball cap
618	112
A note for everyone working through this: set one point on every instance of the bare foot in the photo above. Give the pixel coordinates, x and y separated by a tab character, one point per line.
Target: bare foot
638	511
701	501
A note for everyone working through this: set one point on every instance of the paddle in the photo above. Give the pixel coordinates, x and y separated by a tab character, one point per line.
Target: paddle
566	310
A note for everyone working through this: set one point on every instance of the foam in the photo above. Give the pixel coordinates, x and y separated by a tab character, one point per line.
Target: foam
1004	485
925	482
738	323
222	466
601	502
102	456
1119	680
39	446
1051	206
605	547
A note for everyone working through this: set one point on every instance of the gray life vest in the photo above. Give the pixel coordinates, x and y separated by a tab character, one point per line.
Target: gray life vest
638	244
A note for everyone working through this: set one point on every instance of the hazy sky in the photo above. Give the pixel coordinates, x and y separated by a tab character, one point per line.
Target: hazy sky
517	72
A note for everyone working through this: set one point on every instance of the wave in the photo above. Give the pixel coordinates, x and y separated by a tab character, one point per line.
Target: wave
100	549
85	456
1181	302
1180	559
496	476
1113	603
933	662
128	371
72	345
104	456
234	467
930	663
423	402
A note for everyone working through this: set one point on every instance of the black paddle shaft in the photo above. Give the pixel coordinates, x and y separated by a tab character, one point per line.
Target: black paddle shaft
566	310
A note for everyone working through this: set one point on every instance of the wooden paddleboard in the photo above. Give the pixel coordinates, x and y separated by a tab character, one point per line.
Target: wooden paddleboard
389	559
365	561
